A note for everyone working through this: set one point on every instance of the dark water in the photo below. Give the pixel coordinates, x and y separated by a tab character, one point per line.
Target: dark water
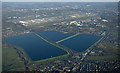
54	35
38	49
78	43
35	47
81	42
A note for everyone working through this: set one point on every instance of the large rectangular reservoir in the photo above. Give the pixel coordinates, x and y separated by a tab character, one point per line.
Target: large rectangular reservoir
35	47
79	42
55	35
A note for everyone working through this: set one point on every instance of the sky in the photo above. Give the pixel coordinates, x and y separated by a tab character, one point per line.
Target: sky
60	0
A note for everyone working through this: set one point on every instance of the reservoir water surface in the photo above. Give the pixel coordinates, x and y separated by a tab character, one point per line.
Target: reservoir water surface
78	43
38	49
35	47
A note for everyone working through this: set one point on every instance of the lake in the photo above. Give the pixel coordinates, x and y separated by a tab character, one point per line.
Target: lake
55	35
78	43
38	49
81	42
35	47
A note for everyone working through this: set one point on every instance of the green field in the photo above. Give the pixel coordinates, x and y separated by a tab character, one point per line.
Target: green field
11	60
105	57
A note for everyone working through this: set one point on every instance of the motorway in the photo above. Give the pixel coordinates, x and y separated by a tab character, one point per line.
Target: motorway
85	54
87	51
80	66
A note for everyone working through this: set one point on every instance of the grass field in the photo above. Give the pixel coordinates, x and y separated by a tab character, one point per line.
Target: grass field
110	52
11	61
105	57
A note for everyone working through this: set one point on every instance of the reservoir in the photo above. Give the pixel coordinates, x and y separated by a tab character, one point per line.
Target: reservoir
55	35
35	47
78	43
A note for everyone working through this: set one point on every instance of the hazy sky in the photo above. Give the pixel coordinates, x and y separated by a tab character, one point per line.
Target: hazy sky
60	0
